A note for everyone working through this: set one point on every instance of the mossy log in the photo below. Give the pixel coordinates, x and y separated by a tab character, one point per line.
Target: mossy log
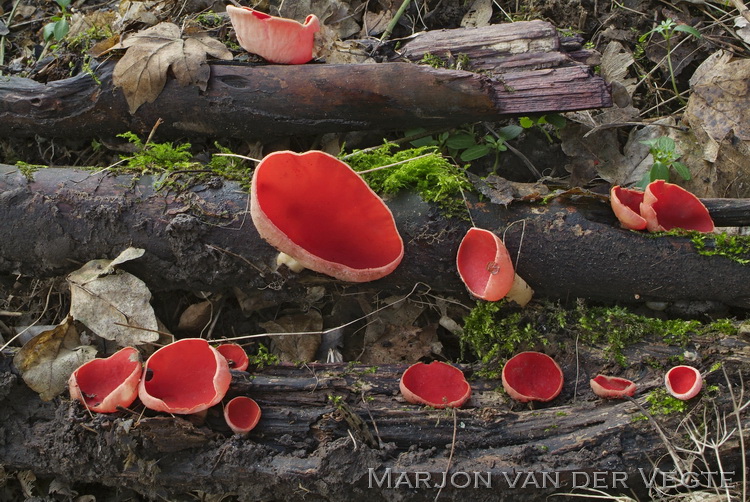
524	71
334	432
203	239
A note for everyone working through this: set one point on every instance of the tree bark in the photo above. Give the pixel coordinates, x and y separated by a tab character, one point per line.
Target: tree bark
326	430
203	239
523	73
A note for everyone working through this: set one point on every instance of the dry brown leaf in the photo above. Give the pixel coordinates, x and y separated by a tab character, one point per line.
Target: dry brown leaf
47	360
142	71
112	303
478	15
295	348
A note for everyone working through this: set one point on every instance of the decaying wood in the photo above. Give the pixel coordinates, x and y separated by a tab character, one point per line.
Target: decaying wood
261	101
203	239
325	426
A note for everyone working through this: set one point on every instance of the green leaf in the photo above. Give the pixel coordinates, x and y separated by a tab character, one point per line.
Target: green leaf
688	29
461	141
48	31
659	171
526	122
557	120
475	152
510	132
61	29
425	141
682	170
63	3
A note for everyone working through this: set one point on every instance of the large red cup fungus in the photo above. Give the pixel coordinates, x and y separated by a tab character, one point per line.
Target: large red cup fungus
242	414
235	355
103	385
626	204
532	376
683	382
485	268
666	206
318	210
276	39
436	384
186	376
609	387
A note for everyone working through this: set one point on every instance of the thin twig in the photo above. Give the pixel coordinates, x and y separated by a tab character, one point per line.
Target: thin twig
450	457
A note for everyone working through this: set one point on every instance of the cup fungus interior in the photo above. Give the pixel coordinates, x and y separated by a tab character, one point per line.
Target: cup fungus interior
235	355
484	265
115	377
184	374
612	387
242	414
532	376
626	204
318	210
436	384
667	206
684	382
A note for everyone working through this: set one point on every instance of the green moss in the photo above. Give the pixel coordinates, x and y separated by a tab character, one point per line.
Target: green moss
28	170
262	358
495	332
660	402
422	169
460	62
732	247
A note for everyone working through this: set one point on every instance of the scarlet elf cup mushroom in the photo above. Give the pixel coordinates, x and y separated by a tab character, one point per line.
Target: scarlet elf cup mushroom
663	206
532	376
235	355
485	268
683	382
184	377
318	210
105	384
436	384
609	387
276	39
242	414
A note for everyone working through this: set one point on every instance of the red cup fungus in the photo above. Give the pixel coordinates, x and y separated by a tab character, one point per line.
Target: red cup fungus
485	268
608	387
626	204
235	355
184	377
104	384
666	206
242	414
276	39
318	210
532	376
436	384
663	206
683	382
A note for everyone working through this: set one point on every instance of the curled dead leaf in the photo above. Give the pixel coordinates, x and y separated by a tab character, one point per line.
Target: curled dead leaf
142	71
47	360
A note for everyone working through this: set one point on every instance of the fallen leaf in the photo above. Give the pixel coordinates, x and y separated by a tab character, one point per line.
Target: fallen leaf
47	360
479	14
113	303
295	348
142	71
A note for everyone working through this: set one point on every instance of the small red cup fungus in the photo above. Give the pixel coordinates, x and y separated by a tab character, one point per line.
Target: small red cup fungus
683	382
184	377
318	210
103	385
532	376
276	39
485	268
609	387
235	355
666	206
436	384
626	204
242	414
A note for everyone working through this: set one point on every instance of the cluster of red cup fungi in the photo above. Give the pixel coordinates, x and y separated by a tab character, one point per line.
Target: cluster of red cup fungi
662	206
185	377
